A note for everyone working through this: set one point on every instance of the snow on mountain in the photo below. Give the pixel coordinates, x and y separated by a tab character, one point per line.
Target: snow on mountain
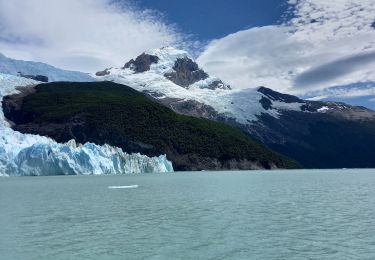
25	154
243	105
16	67
358	94
278	120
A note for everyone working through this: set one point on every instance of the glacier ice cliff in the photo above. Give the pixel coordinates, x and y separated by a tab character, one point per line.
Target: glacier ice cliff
25	154
72	159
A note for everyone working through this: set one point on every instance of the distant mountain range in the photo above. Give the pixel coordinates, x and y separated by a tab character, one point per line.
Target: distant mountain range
359	94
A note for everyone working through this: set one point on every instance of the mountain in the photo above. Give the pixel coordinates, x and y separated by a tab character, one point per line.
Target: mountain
321	135
358	94
154	79
108	113
39	71
26	154
316	134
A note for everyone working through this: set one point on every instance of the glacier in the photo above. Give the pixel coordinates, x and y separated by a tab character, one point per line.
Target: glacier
26	154
241	104
13	67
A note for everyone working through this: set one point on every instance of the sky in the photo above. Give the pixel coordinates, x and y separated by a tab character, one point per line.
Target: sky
300	47
325	44
213	19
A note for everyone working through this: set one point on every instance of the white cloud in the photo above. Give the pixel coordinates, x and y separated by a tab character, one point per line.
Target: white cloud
349	91
80	34
328	43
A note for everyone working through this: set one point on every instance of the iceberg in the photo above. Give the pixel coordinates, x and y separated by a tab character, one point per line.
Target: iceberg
123	187
34	155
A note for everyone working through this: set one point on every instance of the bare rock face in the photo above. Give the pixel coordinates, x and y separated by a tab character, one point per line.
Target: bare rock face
40	78
103	73
218	84
276	96
186	72
142	63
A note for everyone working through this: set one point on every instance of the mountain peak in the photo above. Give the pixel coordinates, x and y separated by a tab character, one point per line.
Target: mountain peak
142	63
167	64
169	54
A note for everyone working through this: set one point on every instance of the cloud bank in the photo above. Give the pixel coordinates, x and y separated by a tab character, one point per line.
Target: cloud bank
327	43
84	35
334	70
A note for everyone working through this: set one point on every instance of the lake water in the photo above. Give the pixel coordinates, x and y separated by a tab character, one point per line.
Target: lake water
326	214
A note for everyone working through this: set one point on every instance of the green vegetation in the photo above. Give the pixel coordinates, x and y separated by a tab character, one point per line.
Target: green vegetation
105	112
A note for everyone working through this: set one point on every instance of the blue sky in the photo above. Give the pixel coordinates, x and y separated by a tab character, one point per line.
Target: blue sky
217	18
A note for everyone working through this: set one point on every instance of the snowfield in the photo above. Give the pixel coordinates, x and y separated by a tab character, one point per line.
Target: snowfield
13	67
242	105
25	154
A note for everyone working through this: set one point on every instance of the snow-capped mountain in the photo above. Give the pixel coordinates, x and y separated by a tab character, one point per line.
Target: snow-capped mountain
26	154
317	134
32	70
304	130
168	73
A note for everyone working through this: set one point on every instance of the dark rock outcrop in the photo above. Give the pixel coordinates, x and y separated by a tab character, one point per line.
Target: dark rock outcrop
276	96
186	72
12	105
266	103
192	108
142	63
103	73
40	78
218	84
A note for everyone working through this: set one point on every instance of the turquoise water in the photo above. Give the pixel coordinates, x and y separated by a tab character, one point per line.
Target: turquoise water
206	215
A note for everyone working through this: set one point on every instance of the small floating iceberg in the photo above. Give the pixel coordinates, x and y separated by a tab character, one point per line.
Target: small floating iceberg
123	187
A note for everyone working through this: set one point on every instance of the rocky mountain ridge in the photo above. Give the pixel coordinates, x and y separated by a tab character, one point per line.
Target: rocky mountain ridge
278	120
